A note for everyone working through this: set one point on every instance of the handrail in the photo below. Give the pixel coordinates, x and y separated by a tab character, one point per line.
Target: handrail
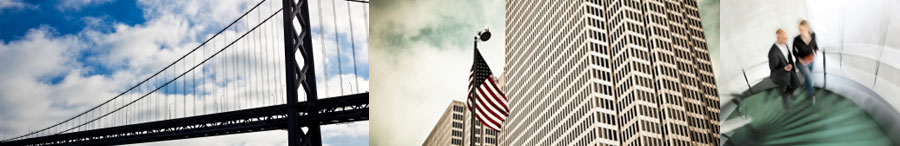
824	70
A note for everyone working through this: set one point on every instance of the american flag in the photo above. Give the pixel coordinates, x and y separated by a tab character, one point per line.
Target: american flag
485	98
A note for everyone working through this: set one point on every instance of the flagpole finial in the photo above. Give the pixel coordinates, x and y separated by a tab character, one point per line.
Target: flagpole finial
484	35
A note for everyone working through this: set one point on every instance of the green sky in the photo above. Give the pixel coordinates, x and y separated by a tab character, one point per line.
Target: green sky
709	13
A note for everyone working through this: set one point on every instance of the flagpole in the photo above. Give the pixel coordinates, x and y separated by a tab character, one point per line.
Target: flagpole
481	35
472	109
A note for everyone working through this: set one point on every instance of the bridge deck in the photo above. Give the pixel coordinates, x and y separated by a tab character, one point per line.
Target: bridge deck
341	109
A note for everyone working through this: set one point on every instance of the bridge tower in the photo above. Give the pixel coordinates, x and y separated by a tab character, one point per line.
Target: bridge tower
298	76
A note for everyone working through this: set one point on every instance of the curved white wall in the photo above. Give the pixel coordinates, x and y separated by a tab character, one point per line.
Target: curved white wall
862	39
859	38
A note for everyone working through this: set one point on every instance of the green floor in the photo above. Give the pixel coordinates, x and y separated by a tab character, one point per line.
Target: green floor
832	121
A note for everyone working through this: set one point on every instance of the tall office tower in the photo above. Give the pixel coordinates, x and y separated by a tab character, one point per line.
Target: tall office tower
455	129
608	72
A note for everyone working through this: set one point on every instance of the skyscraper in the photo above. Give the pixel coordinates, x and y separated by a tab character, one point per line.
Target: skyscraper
608	72
454	129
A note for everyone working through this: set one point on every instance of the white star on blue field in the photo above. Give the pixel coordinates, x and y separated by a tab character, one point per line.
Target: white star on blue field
59	58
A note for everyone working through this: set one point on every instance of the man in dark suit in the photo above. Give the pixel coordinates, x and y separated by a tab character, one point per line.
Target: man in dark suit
782	69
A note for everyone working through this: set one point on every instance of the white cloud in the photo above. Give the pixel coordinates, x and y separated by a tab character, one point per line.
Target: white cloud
356	129
337	15
144	46
412	90
220	12
134	52
14	5
348	83
76	5
328	18
29	100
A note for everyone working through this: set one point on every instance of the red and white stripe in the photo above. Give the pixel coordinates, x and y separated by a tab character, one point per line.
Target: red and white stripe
490	104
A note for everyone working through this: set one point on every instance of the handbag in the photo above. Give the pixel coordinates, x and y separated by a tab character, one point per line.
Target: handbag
808	59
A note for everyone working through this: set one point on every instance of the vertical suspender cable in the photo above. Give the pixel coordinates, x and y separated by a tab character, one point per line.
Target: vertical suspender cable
226	89
217	73
156	95
246	67
280	83
203	74
183	92
322	47
241	55
337	41
257	57
166	101
253	69
231	93
277	66
231	61
194	85
174	91
366	24
274	54
353	47
266	62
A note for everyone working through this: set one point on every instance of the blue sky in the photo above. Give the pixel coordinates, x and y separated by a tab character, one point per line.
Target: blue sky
64	56
65	20
101	16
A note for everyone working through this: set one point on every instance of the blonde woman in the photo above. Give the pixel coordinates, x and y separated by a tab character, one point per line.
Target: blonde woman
805	49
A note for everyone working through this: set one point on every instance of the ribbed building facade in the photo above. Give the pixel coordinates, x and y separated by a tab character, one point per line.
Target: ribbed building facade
608	72
455	129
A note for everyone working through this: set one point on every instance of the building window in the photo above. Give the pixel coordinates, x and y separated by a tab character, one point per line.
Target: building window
457	133
456	141
457	117
491	141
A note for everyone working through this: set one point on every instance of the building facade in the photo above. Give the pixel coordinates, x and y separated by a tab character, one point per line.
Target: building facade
608	72
455	129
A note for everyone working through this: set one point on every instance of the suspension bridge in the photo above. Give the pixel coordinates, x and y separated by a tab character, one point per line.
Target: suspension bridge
247	77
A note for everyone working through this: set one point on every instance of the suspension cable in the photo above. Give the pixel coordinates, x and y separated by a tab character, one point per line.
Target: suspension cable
179	76
133	87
